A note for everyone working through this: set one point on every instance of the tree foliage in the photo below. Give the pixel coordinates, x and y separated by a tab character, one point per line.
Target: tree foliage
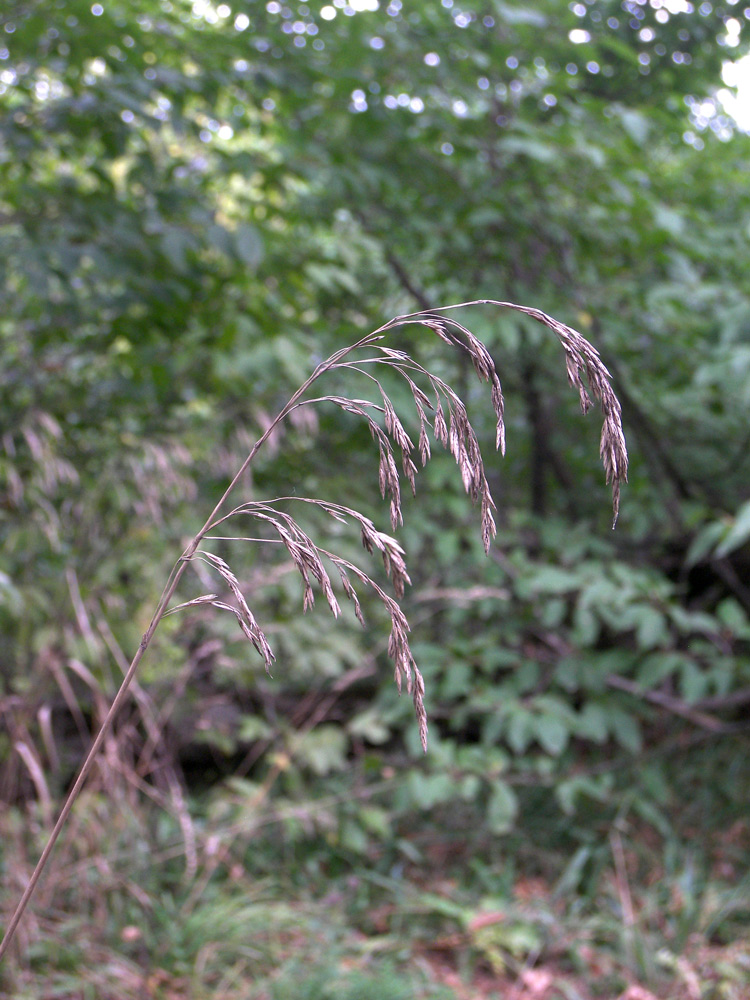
198	202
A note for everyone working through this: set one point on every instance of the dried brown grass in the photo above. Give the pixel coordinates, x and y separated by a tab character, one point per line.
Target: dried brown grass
440	413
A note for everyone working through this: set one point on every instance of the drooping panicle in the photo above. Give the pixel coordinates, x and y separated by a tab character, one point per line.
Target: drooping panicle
442	413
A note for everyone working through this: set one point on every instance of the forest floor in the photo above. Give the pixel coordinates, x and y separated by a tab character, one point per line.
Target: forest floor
135	906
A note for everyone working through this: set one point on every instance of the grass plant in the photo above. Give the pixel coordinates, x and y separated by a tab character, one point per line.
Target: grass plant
282	916
440	412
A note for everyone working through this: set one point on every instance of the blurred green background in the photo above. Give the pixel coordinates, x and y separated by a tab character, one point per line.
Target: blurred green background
198	203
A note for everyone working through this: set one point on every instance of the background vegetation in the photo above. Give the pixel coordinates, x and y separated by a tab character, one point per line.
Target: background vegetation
197	204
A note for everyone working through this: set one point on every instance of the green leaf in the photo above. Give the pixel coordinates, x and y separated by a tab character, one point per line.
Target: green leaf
353	838
591	722
636	124
667	218
533	148
693	682
469	787
248	245
445	907
570	791
568	673
586	625
571	878
651	813
175	245
11	599
651	626
551	732
253	728
731	613
551	580
369	725
520	15
502	808
323	750
738	534
376	820
520	729
429	790
626	730
554	613
653	669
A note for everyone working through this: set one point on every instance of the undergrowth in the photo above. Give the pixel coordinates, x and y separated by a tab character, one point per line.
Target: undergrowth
283	903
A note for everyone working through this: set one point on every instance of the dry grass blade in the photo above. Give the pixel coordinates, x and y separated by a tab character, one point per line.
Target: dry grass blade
36	772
